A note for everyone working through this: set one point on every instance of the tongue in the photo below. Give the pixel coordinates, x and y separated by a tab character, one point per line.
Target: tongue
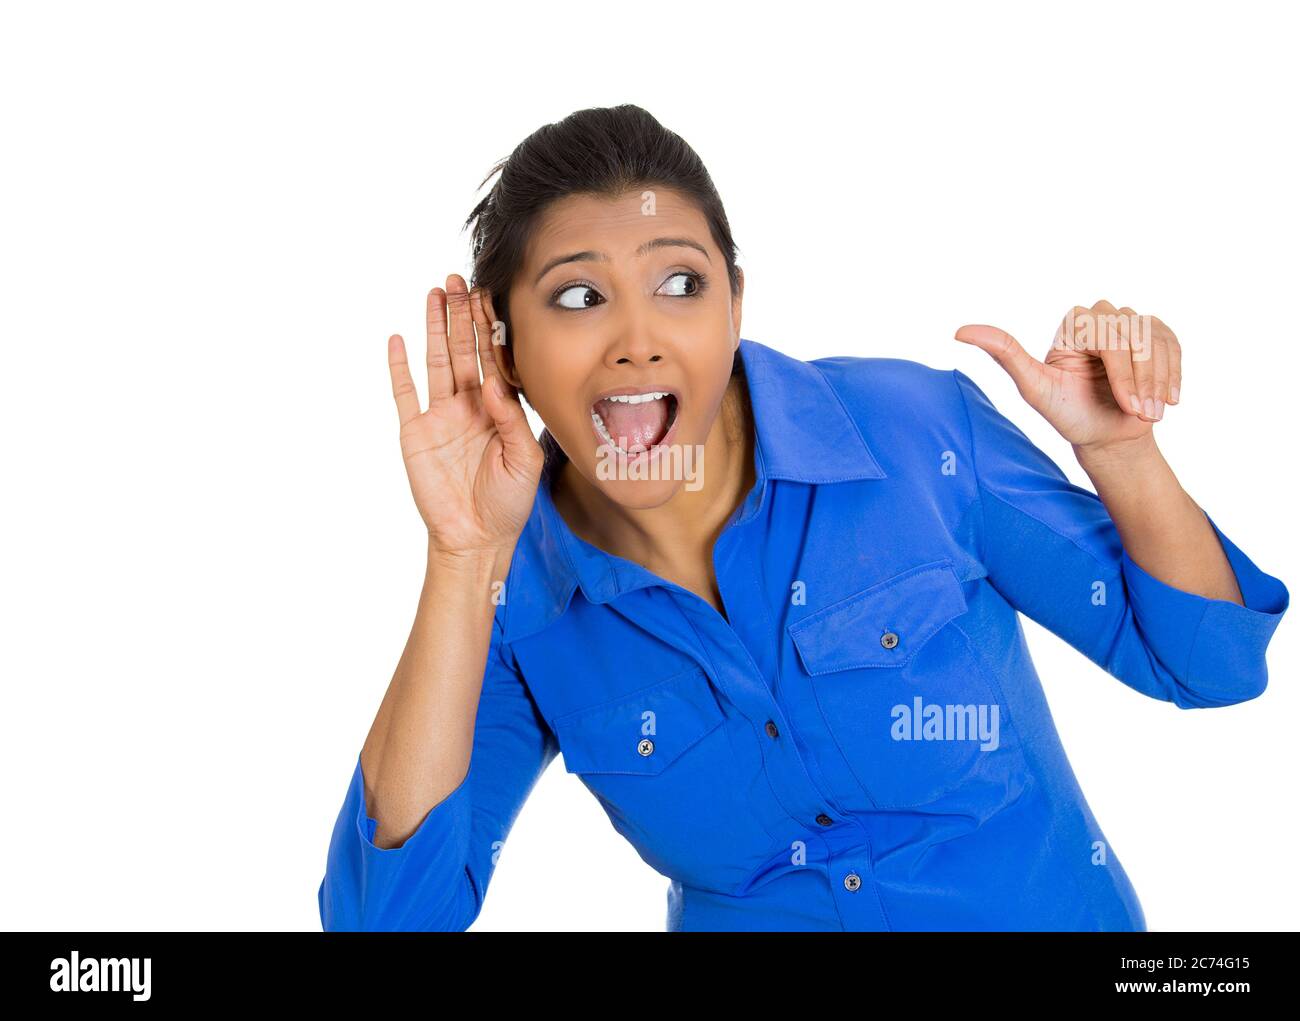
633	424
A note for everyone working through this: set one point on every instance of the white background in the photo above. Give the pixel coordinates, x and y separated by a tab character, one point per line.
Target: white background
213	215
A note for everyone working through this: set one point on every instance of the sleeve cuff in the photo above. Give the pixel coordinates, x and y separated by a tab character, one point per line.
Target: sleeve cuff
395	888
1215	648
440	829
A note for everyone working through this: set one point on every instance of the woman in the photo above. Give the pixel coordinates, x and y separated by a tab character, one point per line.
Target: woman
765	608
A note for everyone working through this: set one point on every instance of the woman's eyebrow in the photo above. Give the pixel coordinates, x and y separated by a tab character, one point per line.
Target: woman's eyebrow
591	256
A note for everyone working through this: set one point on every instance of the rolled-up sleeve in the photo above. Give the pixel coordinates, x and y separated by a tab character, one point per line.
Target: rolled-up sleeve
437	879
1052	550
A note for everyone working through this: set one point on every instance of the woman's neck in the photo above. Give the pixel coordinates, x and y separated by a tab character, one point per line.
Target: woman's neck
672	537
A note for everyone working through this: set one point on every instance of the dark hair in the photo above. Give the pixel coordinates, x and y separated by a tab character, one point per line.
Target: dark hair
602	151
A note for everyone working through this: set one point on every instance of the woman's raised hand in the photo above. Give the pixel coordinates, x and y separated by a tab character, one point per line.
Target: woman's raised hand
472	459
1105	382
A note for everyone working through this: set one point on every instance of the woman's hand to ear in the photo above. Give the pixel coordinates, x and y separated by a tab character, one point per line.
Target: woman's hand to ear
471	457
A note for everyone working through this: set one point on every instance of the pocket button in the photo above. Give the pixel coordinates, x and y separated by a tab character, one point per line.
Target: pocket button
889	639
646	747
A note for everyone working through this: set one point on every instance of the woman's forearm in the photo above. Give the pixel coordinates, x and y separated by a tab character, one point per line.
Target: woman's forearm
418	748
1162	528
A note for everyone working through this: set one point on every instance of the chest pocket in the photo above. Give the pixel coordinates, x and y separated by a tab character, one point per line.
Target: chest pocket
660	762
909	702
641	734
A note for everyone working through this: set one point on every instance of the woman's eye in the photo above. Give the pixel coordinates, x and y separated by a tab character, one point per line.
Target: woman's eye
577	297
691	278
582	301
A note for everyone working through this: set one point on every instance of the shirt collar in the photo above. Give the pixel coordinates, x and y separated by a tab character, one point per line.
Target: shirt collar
804	434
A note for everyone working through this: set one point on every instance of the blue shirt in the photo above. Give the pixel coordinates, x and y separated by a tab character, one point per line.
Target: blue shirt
862	741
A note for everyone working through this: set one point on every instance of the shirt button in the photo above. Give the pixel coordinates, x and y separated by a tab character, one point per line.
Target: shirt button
771	729
889	639
646	747
852	881
825	820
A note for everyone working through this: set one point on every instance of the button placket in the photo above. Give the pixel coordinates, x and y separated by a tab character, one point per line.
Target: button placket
739	678
716	646
852	876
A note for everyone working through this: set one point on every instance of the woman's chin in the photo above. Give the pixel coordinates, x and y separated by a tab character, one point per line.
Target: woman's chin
648	477
638	493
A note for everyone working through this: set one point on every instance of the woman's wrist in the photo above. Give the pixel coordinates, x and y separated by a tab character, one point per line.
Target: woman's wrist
489	563
1136	456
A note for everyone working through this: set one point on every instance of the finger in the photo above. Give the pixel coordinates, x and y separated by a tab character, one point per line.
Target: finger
399	370
1069	335
1113	350
1026	371
437	359
464	362
1175	350
1138	346
510	421
1159	367
1150	356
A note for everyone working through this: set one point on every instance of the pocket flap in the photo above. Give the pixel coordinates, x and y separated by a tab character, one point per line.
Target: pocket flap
641	733
881	626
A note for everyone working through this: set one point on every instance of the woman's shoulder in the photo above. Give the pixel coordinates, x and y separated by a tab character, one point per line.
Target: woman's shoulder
863	371
884	392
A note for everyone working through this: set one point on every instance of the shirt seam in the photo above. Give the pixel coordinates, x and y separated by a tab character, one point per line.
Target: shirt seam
978	498
1110	571
981	491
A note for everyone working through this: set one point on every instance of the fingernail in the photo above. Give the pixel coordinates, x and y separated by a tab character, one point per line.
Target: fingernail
496	385
1133	403
1149	406
1160	409
1173	395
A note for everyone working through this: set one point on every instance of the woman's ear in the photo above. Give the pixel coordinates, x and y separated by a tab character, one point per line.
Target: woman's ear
505	363
502	352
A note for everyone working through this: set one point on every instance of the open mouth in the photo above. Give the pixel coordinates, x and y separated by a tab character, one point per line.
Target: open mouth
632	423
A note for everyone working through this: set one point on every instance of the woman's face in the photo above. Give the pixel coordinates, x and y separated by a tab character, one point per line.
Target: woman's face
617	297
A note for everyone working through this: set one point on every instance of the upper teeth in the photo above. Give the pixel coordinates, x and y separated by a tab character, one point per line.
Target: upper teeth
599	422
638	398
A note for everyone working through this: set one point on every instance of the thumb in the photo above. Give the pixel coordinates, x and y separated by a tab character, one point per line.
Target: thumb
511	423
1026	371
